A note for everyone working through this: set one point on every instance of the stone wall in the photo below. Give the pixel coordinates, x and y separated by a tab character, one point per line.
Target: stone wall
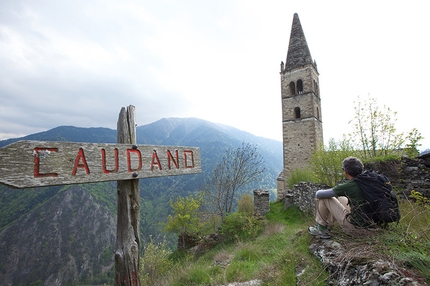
407	174
303	195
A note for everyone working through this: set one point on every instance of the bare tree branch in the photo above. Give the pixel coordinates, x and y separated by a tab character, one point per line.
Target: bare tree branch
237	169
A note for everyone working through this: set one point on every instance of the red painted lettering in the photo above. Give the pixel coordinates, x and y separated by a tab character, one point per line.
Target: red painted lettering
39	153
170	157
155	161
139	157
79	164
186	159
105	170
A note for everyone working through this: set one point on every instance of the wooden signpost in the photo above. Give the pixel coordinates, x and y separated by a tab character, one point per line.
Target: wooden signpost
27	164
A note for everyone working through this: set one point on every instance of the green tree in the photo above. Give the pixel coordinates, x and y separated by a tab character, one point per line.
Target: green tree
326	161
374	130
237	168
412	147
185	219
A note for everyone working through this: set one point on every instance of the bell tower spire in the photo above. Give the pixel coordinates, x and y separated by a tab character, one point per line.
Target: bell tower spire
298	51
301	103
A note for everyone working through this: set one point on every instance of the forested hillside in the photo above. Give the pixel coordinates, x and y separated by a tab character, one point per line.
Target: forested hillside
77	224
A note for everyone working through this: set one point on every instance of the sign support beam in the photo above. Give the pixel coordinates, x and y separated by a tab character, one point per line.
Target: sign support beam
127	234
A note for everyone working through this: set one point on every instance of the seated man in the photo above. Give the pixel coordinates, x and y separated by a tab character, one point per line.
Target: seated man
341	203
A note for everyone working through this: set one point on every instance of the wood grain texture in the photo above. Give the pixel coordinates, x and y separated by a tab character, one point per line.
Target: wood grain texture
127	236
18	162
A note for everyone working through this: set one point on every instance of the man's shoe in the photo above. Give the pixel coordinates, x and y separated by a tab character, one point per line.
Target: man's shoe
313	230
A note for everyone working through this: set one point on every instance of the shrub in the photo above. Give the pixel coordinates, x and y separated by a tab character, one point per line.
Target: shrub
238	226
300	175
326	161
154	263
246	205
186	218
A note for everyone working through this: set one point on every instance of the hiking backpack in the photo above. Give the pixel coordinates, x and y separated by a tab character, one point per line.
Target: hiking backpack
381	202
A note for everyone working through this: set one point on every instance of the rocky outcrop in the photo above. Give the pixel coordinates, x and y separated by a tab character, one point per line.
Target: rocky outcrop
68	238
356	266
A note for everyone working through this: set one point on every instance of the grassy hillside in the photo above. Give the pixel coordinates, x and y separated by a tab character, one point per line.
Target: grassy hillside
279	254
275	256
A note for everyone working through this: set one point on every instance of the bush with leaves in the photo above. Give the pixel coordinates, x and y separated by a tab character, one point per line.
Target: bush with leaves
154	263
238	226
242	225
300	175
412	147
326	162
246	205
185	220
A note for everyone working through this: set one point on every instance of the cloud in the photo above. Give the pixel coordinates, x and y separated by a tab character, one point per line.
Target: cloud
77	63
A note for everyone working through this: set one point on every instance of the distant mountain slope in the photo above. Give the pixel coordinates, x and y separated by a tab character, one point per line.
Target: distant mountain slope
70	133
37	209
68	237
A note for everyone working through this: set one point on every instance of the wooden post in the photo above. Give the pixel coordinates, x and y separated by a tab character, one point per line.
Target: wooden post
127	235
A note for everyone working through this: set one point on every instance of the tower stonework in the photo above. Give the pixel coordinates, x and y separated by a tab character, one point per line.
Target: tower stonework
301	104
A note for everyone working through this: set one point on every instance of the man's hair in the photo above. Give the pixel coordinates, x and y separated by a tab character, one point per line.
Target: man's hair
353	166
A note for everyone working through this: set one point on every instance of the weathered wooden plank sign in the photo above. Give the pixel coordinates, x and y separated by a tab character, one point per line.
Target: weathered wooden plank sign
26	164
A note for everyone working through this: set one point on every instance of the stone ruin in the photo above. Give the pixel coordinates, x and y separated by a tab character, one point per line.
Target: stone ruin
261	202
303	196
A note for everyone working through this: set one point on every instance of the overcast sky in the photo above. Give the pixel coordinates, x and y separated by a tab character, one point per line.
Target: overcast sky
78	62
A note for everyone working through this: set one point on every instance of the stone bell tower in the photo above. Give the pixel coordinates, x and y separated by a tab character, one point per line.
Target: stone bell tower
301	103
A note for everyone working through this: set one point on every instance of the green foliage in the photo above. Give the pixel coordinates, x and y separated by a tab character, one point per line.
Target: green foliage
274	256
103	193
418	261
290	216
239	226
326	161
374	132
420	199
409	241
154	263
412	147
300	175
16	203
280	251
186	218
246	205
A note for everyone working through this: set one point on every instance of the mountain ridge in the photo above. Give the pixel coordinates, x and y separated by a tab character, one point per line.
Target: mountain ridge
108	135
